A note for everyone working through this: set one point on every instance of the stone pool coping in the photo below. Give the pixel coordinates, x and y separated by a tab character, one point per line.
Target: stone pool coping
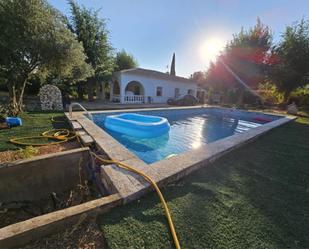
130	186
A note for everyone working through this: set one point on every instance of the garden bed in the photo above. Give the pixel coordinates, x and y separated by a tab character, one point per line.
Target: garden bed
16	211
45	184
13	155
49	193
85	234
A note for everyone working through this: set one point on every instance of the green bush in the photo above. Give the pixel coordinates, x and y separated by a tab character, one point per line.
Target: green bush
2	118
270	93
232	96
301	97
6	110
28	152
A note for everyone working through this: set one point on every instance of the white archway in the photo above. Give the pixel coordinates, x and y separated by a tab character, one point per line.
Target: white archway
135	88
134	92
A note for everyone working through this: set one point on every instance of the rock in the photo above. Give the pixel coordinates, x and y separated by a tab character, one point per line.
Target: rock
50	98
292	109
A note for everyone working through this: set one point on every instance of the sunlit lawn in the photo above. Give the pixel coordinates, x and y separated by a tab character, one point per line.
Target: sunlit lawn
255	197
33	124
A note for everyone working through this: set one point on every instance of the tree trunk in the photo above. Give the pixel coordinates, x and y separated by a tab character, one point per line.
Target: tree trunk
13	105
240	101
286	96
16	87
90	90
224	97
21	95
80	91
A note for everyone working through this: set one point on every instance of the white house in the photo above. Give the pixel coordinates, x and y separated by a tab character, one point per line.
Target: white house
140	85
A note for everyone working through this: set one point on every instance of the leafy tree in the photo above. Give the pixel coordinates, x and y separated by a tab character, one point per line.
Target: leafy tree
34	40
91	31
199	77
246	56
124	61
290	59
218	78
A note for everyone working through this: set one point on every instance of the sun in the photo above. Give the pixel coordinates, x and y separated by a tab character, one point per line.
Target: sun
211	48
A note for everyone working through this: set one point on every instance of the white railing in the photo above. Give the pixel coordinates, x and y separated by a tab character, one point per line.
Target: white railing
83	108
134	98
138	99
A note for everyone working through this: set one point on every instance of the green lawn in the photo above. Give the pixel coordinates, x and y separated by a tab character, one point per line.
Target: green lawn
255	197
33	124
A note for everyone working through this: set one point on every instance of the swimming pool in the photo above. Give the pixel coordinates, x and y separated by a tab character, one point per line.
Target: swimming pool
190	129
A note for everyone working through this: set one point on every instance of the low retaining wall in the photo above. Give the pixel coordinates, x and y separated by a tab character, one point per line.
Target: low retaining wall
27	231
33	179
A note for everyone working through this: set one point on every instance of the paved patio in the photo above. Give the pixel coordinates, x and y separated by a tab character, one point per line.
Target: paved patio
103	105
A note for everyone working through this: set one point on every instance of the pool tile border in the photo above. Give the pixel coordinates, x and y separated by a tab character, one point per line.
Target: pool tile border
131	186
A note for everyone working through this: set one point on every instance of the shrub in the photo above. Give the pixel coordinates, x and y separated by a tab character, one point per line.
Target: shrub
28	152
232	96
2	118
301	97
5	110
269	92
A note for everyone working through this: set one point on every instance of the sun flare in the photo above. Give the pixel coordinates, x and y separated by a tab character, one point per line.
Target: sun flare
211	48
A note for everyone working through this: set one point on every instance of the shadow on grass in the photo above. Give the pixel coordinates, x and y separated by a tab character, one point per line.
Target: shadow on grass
255	197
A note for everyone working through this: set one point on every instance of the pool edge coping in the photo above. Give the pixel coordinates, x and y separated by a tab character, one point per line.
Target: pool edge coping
131	186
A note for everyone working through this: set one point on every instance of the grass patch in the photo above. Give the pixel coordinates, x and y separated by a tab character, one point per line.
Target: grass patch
34	123
255	197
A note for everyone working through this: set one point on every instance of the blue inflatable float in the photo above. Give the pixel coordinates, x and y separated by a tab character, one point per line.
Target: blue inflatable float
137	125
13	121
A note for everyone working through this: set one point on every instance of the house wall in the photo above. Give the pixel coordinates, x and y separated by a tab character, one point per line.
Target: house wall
150	85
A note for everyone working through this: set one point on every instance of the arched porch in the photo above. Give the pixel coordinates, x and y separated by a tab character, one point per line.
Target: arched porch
134	92
131	92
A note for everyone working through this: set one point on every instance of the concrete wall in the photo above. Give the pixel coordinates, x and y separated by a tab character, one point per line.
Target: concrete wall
150	85
36	178
24	232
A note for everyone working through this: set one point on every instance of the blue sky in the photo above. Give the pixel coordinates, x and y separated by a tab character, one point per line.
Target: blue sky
153	29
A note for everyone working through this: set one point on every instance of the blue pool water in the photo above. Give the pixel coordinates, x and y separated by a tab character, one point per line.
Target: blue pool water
190	129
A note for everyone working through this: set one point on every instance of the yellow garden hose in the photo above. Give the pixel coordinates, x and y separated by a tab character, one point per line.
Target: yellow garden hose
154	185
64	135
59	135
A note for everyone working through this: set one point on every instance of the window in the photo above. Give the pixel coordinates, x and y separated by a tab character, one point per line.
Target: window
176	92
190	92
159	91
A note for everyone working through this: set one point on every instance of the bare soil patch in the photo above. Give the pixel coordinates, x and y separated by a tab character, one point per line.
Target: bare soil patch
13	155
85	234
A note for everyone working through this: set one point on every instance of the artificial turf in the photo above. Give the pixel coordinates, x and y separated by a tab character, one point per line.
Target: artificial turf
254	197
33	125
